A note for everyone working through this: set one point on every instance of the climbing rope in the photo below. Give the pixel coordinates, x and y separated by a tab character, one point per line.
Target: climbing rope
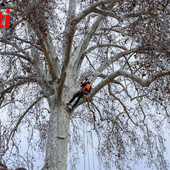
84	144
88	151
91	133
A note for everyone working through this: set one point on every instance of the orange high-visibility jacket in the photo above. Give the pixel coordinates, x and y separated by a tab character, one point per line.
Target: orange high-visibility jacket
86	87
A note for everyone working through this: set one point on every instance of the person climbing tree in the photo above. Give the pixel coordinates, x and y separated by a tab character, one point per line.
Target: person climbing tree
83	92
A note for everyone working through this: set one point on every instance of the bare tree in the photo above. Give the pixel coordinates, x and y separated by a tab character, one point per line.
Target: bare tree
121	46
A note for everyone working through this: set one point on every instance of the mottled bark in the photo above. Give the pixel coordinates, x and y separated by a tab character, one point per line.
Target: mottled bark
56	149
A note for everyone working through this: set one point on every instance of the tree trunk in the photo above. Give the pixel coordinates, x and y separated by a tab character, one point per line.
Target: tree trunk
56	149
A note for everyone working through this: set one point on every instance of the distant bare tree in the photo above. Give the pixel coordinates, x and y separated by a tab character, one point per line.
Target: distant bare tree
122	47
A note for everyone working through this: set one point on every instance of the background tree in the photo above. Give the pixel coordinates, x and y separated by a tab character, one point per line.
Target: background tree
121	46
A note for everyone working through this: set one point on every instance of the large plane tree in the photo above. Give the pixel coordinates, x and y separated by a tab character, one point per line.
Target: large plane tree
121	46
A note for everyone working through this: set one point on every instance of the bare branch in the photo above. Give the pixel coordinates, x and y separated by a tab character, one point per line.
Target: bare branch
7	6
89	10
69	32
90	62
142	82
15	46
108	13
28	42
100	114
105	45
139	80
129	15
85	42
13	83
4	104
124	107
15	53
102	67
19	121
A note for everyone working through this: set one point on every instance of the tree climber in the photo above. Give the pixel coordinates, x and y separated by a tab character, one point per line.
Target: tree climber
83	92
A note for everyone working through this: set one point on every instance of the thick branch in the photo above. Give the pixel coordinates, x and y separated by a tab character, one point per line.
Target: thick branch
108	13
112	60
69	31
139	80
89	10
47	48
105	45
129	15
142	82
93	8
81	49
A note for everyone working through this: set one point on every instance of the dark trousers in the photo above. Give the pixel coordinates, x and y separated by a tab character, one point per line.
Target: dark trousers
78	95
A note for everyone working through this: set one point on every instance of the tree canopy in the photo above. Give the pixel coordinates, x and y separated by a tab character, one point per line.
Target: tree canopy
121	46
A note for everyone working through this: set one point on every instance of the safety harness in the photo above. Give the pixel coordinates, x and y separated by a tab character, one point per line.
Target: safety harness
86	90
